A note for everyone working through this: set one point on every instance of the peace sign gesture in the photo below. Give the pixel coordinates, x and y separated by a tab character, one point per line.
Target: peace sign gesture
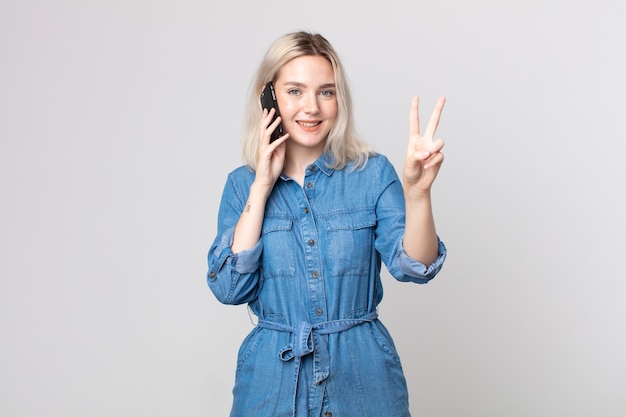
423	156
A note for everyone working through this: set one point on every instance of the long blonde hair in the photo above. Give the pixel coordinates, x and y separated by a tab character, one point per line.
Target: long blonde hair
343	143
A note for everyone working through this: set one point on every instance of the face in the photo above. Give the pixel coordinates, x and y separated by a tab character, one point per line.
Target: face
307	99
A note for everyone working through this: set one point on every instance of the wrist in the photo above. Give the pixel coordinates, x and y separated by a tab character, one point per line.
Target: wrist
413	195
259	192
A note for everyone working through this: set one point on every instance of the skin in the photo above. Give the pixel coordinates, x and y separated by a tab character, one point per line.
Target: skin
306	96
421	166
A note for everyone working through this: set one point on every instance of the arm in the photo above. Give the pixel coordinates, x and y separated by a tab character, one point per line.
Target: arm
233	259
270	161
233	278
421	166
391	227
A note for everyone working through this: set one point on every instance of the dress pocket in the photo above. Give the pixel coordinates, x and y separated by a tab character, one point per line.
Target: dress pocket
248	347
350	242
278	259
384	341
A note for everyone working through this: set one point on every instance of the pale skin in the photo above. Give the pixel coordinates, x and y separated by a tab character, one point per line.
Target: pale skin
421	166
270	161
302	145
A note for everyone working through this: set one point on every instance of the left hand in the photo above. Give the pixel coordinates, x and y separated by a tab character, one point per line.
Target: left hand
423	156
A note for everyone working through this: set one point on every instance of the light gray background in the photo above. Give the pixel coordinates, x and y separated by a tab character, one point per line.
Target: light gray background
119	123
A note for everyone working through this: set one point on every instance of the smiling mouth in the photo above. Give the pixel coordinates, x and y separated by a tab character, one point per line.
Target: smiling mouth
309	124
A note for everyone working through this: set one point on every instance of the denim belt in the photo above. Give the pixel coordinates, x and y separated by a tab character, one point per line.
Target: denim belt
306	339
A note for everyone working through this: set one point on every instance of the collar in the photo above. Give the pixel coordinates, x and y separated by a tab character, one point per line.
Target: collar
320	164
323	162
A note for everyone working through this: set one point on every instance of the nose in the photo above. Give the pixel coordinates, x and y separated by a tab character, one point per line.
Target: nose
311	105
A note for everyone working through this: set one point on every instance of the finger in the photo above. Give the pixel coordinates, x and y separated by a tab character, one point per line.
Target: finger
414	118
275	123
267	117
266	128
421	155
437	145
434	161
271	128
434	118
278	141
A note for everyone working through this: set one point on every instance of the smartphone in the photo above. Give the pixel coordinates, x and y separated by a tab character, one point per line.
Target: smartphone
268	101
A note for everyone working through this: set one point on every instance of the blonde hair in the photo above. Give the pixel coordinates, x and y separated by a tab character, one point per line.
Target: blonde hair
343	143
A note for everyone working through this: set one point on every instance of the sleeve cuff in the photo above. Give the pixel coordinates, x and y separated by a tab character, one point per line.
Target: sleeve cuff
416	269
244	262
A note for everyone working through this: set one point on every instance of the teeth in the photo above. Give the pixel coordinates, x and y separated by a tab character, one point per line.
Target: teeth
304	124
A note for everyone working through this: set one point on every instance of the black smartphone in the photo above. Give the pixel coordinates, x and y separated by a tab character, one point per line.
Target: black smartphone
268	101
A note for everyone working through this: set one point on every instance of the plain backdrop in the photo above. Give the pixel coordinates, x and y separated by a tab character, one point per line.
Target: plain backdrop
119	121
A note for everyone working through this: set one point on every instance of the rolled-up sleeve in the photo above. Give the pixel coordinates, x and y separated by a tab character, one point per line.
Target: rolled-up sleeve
415	271
391	219
233	278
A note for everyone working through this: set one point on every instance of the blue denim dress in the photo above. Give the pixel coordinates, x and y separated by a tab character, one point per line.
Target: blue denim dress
313	281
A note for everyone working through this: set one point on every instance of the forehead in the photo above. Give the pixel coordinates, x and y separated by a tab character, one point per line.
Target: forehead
314	69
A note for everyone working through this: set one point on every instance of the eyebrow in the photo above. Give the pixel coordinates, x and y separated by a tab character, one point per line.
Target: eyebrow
297	84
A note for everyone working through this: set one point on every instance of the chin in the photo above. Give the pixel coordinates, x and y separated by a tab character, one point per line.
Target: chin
310	142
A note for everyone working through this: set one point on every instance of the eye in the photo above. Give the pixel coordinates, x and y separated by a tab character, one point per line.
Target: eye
327	93
293	92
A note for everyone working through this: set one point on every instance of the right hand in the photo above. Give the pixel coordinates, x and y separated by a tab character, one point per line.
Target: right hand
270	157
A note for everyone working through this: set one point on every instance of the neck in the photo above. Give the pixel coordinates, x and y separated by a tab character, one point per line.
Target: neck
297	162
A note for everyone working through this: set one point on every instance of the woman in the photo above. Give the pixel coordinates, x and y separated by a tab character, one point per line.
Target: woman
302	230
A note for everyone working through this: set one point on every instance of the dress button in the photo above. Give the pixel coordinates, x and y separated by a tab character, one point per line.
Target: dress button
311	242
312	168
315	274
309	184
306	210
212	274
319	311
328	414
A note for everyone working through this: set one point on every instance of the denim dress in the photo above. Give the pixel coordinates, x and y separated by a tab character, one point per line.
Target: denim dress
313	281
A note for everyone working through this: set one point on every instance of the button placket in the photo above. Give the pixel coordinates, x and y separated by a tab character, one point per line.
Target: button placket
316	290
